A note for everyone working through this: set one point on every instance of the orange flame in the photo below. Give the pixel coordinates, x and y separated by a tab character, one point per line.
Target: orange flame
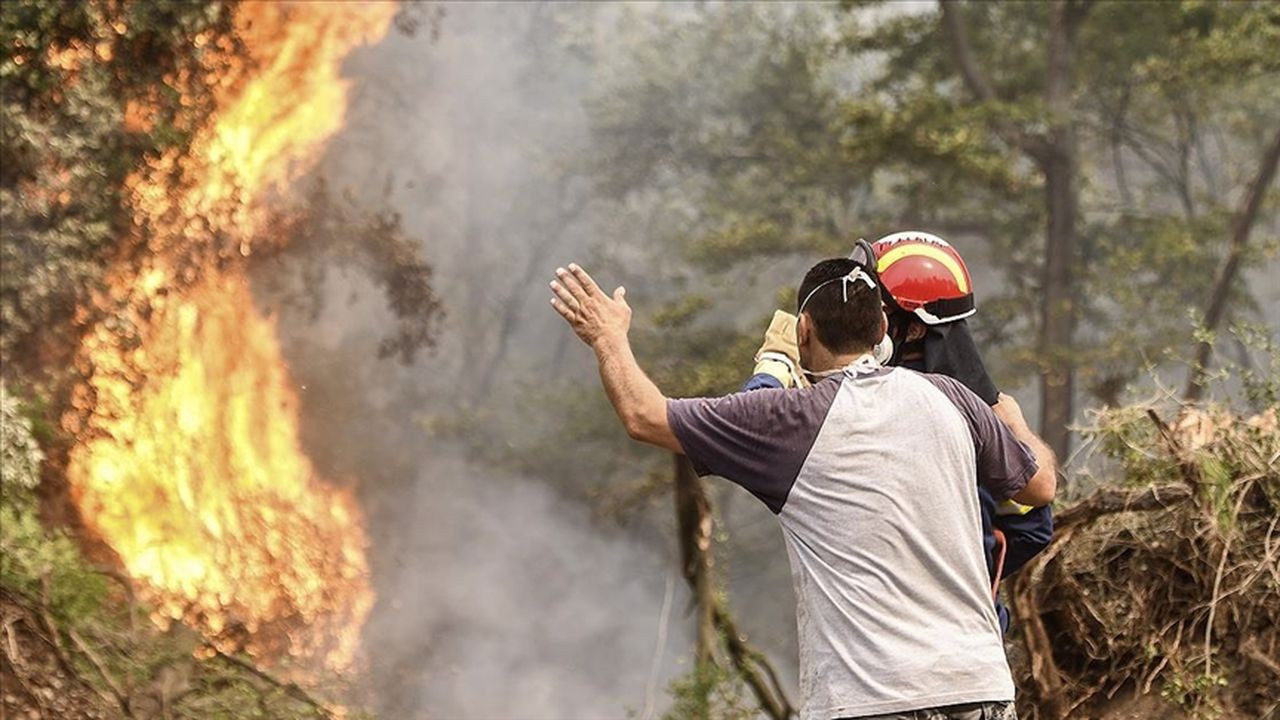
268	130
193	470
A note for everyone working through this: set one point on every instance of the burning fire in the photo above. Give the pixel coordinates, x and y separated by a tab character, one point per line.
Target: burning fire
193	470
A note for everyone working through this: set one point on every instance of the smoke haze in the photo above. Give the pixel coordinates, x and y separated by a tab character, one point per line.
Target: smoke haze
499	596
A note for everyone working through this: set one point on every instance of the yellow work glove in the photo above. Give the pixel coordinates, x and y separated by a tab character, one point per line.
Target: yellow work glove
778	355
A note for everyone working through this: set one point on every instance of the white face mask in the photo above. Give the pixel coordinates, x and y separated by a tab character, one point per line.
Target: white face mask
883	351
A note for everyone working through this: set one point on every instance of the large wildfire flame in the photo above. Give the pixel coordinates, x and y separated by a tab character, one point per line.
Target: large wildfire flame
192	468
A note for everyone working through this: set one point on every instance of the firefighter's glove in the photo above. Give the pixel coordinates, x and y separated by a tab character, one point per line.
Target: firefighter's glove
778	355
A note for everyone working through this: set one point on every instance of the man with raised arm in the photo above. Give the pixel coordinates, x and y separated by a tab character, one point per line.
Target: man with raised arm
928	295
892	597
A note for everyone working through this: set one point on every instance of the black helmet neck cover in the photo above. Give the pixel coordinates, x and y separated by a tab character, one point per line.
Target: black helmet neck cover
948	349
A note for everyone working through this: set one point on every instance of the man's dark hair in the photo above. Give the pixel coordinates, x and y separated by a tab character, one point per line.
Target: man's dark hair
842	326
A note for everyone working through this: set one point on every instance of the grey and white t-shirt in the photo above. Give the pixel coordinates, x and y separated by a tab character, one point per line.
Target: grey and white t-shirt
872	474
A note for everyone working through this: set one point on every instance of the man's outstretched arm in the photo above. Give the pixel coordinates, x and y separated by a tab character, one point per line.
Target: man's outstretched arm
602	323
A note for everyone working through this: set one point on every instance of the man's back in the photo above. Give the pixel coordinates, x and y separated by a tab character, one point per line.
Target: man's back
884	536
872	475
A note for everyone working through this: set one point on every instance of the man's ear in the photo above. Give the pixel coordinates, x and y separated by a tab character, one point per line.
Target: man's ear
802	329
884	325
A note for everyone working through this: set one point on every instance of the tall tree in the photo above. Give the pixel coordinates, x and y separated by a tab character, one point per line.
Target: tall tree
1055	153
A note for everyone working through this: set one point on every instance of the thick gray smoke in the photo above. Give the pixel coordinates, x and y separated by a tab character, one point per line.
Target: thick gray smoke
503	600
500	595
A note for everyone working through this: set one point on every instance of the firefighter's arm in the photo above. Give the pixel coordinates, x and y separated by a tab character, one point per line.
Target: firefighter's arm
1042	486
1027	531
602	322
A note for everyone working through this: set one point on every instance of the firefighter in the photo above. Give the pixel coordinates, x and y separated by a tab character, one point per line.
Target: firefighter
928	295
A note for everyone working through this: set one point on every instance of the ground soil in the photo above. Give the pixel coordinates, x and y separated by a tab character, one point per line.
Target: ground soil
35	683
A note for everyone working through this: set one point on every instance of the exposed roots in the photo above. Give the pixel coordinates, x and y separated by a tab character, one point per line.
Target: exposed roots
1168	585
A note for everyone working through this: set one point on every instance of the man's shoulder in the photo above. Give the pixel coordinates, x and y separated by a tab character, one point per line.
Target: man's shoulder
791	403
962	397
824	389
806	405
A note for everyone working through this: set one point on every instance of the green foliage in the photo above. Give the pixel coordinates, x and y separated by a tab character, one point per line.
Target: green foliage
724	124
34	561
709	691
72	72
1220	448
1195	693
1259	378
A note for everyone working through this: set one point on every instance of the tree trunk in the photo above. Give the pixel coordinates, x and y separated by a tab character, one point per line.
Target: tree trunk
1057	305
1055	155
1058	300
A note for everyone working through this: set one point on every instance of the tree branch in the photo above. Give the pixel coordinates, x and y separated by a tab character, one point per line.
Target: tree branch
120	697
64	660
1109	501
289	688
1189	470
1241	226
768	690
1033	145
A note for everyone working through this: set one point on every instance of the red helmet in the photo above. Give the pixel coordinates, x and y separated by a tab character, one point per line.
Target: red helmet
922	274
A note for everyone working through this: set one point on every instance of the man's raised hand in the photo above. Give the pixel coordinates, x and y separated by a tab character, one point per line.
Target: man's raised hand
594	316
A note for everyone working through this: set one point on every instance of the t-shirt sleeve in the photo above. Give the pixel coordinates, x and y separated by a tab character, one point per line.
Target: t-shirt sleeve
1005	464
757	439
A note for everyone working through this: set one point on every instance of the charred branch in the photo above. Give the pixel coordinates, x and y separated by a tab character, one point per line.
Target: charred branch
120	696
1189	470
1109	501
693	522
